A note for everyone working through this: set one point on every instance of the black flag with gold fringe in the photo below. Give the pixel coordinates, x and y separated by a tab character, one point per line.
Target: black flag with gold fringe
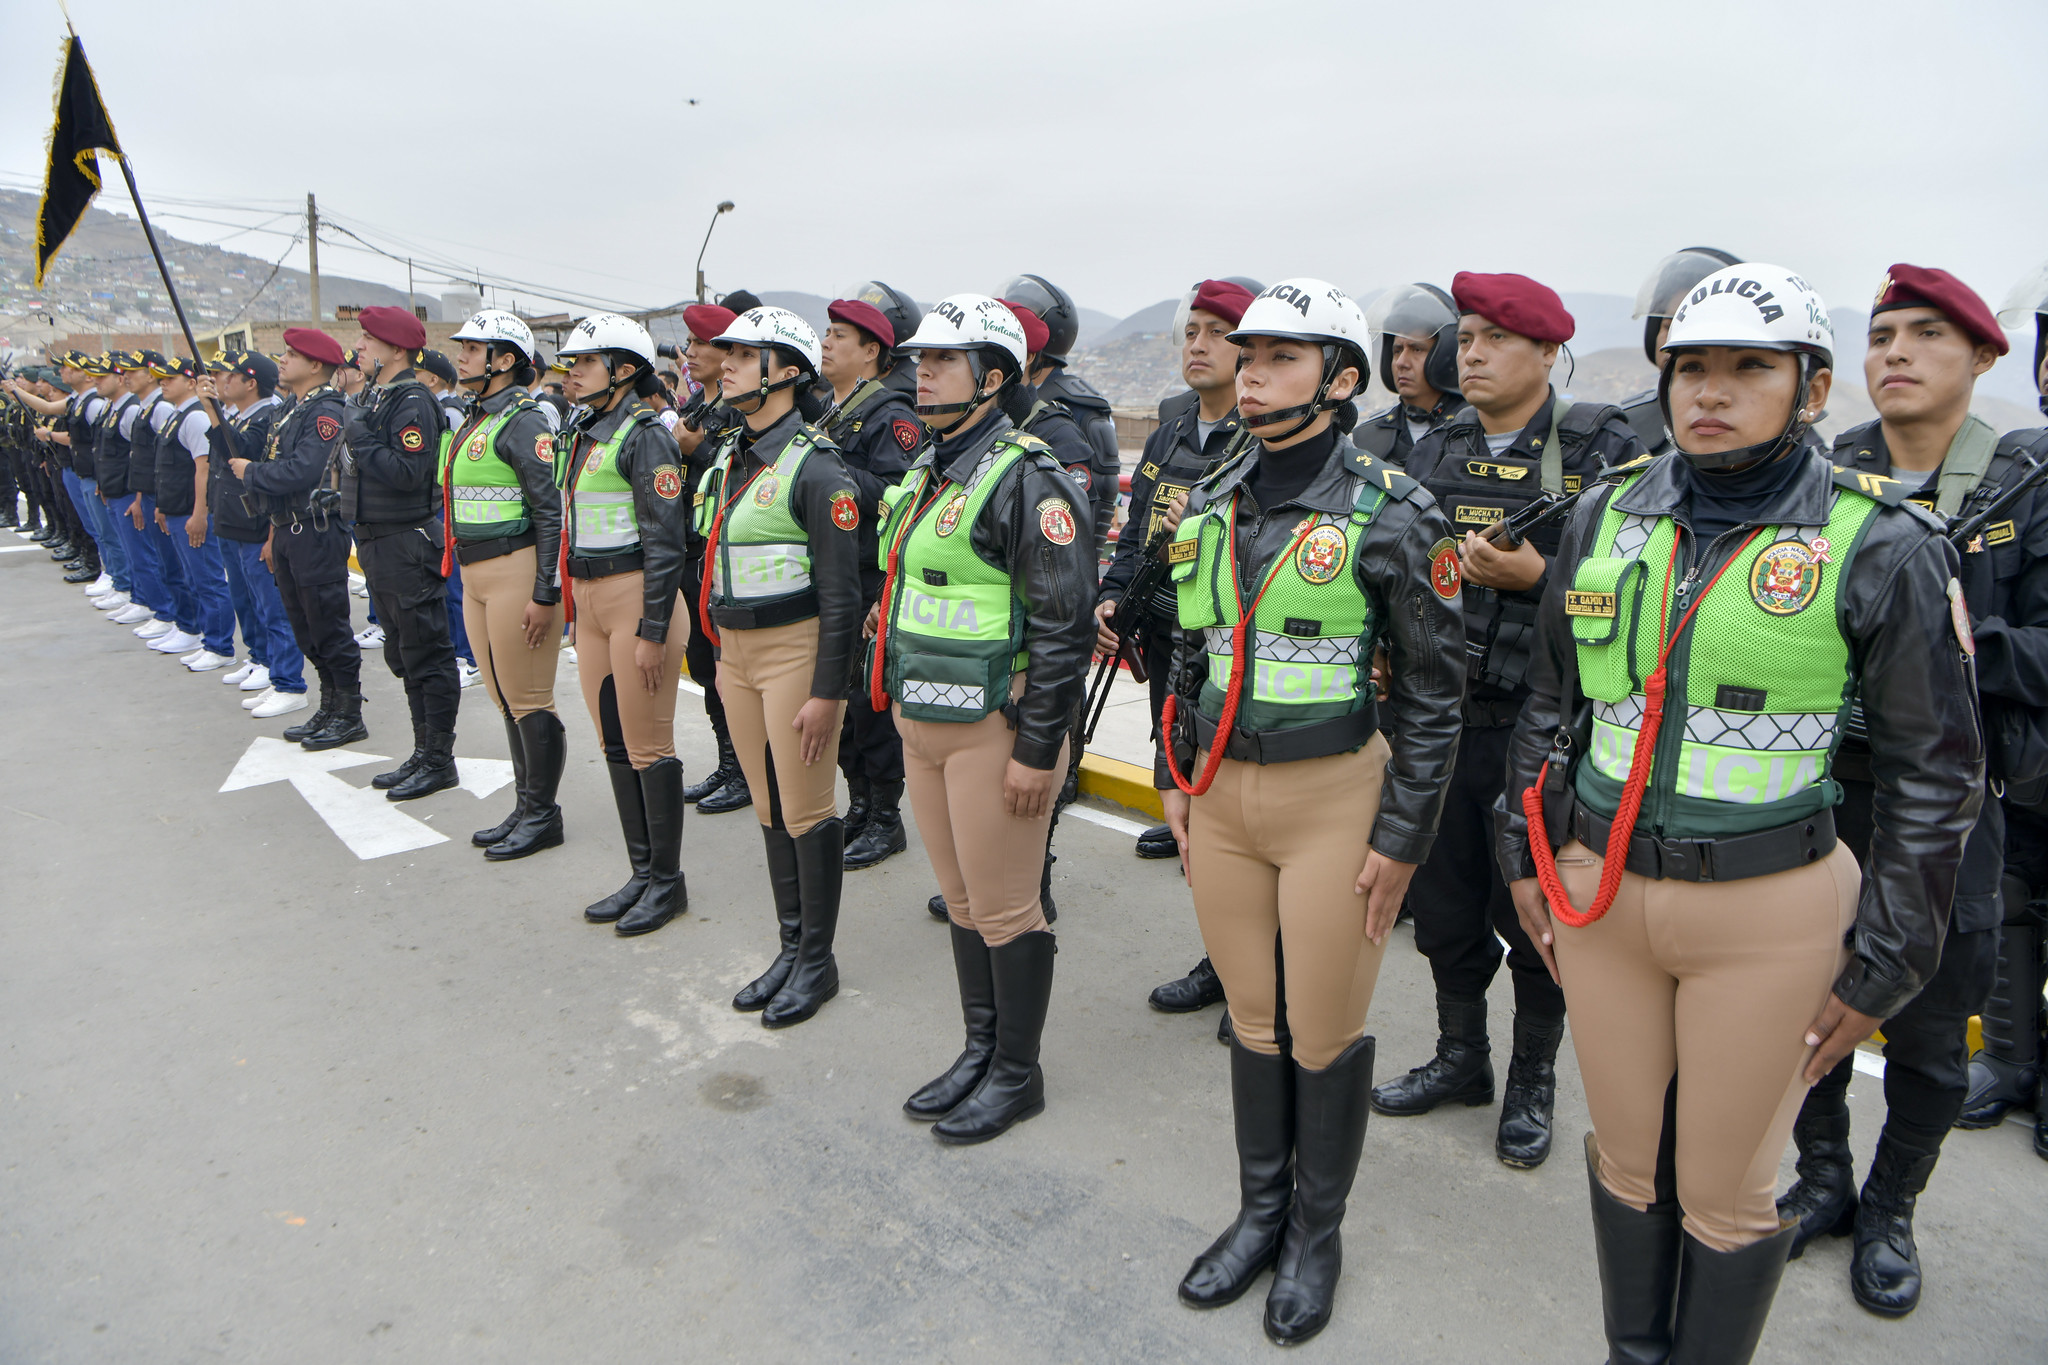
81	132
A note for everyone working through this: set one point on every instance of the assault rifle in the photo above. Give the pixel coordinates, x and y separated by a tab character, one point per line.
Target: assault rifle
1131	623
1965	528
1512	530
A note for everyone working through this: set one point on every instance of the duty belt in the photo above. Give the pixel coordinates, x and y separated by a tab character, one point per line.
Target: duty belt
377	530
1728	859
1340	734
799	608
581	566
478	550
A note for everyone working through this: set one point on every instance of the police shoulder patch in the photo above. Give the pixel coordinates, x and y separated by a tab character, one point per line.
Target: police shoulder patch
1444	574
1056	520
907	433
544	448
326	428
668	482
412	438
845	510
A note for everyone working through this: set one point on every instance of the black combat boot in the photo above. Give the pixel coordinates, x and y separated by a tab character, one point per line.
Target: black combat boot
344	725
633	827
484	838
1822	1201
882	837
730	794
1014	1088
1884	1270
820	871
384	782
2006	1069
546	746
1462	1069
1724	1298
436	771
661	789
856	817
728	764
1158	842
1330	1112
1262	1109
937	906
315	723
1639	1256
1198	990
787	888
1525	1108
937	1097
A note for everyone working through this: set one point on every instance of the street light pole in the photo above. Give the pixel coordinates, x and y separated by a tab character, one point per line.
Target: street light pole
724	206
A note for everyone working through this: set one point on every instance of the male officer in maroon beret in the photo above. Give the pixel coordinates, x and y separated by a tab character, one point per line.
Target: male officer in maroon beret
1930	337
388	494
878	433
1513	441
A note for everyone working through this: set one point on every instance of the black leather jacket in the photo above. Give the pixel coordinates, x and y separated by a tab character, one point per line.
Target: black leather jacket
527	443
1173	462
1919	703
300	453
1091	413
1056	583
663	516
1423	634
394	455
879	437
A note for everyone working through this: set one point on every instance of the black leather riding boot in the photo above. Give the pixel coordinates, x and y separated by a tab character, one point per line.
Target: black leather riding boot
666	896
820	871
627	797
937	1097
1262	1107
1014	1088
1330	1112
784	885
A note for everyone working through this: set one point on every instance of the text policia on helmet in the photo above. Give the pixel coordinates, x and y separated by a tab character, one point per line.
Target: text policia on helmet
1752	306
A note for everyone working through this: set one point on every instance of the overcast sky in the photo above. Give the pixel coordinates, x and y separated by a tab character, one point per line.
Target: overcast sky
1121	149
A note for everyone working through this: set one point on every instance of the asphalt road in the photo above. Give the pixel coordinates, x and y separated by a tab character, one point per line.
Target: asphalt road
267	1101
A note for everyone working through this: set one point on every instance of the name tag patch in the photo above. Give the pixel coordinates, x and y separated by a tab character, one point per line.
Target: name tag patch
1181	551
1578	603
1476	516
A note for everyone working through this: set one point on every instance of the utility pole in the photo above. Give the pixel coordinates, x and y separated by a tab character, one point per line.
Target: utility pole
313	252
409	304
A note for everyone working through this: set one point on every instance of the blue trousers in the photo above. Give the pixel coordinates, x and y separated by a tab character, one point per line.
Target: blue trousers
145	566
261	609
206	586
184	608
456	630
100	526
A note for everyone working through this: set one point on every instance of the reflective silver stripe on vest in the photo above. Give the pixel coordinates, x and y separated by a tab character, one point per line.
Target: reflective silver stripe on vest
766	569
956	695
604	521
1288	649
1763	731
469	499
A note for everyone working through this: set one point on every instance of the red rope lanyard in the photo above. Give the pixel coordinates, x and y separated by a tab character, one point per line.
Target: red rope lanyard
711	550
1239	635
1615	861
878	692
569	478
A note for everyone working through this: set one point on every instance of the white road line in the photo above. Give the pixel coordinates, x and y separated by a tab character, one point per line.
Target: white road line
1105	819
17	549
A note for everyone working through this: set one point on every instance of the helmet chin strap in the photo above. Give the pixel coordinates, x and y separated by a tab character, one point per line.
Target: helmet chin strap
979	369
1795	426
1306	412
760	394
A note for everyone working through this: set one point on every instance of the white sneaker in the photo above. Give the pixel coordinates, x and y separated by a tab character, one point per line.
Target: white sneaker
258	679
280	704
111	604
568	654
371	637
130	614
466	673
234	678
209	662
251	703
100	586
152	628
360	589
177	642
189	659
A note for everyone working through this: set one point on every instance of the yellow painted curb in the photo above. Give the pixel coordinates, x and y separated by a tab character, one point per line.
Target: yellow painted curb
352	562
1127	784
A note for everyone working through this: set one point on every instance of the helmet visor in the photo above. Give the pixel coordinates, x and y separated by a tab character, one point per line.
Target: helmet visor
1675	274
2030	295
1410	310
1031	294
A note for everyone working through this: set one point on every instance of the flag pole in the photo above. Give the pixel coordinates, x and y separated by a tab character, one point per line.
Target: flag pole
149	233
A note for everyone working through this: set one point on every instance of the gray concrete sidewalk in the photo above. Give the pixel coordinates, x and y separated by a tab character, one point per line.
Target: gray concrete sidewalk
265	1101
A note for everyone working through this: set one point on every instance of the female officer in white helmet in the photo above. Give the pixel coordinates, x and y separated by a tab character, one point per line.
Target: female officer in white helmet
1722	609
1298	823
781	602
624	518
502	515
983	638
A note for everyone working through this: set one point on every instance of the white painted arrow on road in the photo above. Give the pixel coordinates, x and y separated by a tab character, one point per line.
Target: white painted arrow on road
361	817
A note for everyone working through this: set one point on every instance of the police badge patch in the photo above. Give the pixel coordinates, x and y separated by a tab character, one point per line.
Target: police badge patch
1056	520
907	433
475	449
949	515
668	482
1785	578
1444	575
766	489
845	510
412	438
327	428
1321	555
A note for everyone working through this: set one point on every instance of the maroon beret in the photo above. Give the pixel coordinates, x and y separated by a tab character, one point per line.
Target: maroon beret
393	326
314	344
707	321
865	316
1515	302
1036	333
1226	300
1916	286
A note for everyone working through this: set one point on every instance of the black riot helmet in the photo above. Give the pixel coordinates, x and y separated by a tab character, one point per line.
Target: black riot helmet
1672	279
1054	308
893	304
1416	311
2030	296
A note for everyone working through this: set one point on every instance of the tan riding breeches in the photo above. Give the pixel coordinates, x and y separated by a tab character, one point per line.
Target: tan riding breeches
634	725
1713	984
495	595
764	679
1274	853
988	861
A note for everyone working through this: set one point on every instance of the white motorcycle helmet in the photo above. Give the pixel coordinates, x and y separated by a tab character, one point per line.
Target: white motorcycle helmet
974	323
1752	306
609	332
764	327
1313	310
495	328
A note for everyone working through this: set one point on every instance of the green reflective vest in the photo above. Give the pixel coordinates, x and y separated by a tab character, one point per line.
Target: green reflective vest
1312	630
598	499
485	500
955	631
1756	690
762	555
